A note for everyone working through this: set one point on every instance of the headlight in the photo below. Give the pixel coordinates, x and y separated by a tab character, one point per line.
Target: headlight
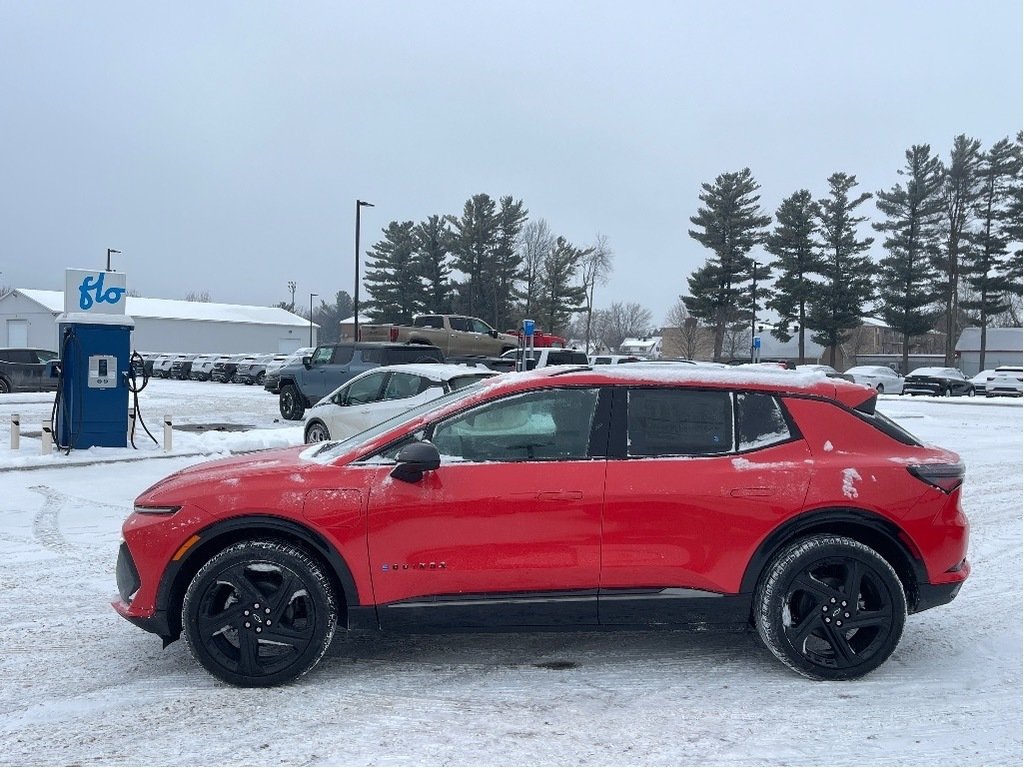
144	510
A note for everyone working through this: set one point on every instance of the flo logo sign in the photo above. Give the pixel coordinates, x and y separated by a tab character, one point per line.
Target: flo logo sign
94	292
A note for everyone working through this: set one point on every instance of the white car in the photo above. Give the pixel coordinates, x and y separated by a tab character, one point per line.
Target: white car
1006	380
881	377
380	393
980	380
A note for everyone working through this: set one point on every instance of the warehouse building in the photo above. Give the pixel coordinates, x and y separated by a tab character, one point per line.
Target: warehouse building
28	318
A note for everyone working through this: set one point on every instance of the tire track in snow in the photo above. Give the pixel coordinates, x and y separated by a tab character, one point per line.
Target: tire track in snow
46	524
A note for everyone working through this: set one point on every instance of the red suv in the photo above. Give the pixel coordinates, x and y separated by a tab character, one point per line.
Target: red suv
620	497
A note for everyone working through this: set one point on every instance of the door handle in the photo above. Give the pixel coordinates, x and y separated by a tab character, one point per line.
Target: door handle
748	492
560	495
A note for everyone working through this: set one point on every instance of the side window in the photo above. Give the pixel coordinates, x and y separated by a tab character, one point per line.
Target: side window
761	421
428	321
459	323
402	385
371	356
690	422
342	355
546	425
366	390
479	326
322	356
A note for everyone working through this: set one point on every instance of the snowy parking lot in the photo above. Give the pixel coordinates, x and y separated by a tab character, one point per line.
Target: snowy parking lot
79	685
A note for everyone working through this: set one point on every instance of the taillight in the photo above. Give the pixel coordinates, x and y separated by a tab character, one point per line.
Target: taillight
946	477
393	333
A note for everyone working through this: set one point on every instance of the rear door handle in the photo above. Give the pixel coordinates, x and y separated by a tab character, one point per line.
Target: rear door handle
560	495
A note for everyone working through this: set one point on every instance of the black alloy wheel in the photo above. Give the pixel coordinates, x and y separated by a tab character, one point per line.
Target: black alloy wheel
259	613
830	608
317	432
290	403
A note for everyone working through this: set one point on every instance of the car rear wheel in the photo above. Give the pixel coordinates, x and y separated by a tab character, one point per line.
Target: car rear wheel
830	608
317	432
948	392
4	387
261	377
290	403
259	613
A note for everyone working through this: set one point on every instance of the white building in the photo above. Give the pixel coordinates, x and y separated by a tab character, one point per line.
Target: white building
648	347
1003	346
28	318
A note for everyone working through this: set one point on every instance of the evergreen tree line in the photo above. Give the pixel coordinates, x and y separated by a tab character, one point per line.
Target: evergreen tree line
951	234
490	262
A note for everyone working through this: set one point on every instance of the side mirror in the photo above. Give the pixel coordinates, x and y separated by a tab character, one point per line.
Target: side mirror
493	333
415	459
307	362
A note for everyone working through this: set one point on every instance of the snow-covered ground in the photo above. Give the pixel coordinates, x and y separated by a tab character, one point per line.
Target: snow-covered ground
79	685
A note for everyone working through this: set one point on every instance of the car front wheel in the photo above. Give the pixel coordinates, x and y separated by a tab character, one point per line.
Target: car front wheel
830	608
259	613
290	403
317	432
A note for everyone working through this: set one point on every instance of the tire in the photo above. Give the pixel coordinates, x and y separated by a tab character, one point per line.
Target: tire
260	378
290	403
259	613
806	594
948	392
971	392
317	432
5	387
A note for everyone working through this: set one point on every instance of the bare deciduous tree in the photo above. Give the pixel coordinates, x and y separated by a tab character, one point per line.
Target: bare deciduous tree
537	242
614	325
595	266
200	296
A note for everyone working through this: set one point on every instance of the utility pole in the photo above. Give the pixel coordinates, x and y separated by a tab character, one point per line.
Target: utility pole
355	300
110	251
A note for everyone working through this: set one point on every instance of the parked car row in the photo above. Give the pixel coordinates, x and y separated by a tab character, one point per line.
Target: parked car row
239	368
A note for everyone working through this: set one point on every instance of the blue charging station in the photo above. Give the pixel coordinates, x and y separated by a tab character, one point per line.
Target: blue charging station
95	352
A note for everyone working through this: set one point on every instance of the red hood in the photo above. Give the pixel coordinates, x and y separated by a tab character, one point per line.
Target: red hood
201	479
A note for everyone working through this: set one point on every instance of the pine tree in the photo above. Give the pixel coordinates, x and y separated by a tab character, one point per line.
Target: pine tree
839	304
913	212
330	316
472	246
961	188
793	242
987	256
1013	224
392	278
559	297
432	240
730	224
503	270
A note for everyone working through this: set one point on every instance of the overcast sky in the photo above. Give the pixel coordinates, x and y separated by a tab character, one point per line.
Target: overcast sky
221	146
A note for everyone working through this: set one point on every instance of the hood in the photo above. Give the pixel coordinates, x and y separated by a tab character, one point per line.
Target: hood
276	467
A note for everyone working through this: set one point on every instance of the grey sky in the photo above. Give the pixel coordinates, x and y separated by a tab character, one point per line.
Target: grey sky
222	146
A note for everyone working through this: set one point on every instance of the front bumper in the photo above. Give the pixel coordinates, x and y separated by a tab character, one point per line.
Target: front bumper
128	584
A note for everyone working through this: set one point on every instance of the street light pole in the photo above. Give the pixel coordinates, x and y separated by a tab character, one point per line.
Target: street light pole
753	306
291	287
311	317
355	300
110	251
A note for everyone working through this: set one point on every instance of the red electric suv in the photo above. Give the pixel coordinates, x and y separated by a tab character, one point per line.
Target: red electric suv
618	497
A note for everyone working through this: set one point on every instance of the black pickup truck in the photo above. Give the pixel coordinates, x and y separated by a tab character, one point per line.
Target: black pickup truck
300	385
26	369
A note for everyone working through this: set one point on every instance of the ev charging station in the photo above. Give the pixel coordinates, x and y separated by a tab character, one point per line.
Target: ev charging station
91	406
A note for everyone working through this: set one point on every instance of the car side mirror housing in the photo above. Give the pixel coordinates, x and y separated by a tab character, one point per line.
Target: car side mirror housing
493	333
415	459
307	362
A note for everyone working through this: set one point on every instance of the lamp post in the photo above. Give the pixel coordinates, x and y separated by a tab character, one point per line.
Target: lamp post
110	251
291	287
355	300
753	308
311	317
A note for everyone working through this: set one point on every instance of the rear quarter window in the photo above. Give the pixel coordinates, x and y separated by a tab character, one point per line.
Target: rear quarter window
760	420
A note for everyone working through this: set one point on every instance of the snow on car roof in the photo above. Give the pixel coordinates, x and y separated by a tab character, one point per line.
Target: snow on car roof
933	371
436	371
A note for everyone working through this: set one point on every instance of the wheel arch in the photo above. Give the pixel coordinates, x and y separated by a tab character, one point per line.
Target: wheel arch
313	421
882	535
216	537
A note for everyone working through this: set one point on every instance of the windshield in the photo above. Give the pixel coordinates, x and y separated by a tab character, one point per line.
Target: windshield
333	449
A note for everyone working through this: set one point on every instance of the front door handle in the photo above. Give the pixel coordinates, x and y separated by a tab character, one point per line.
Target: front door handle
560	495
748	492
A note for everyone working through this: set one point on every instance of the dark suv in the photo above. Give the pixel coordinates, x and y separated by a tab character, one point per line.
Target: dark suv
300	385
25	369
